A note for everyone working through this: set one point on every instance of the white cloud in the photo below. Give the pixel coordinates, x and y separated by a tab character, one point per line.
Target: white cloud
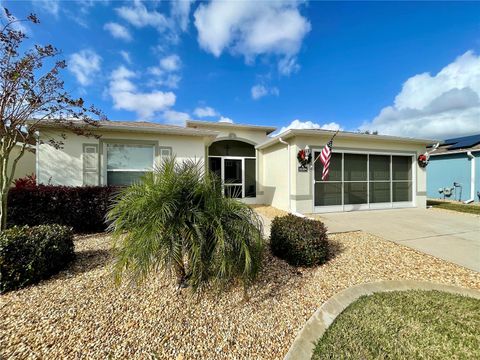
126	56
139	16
440	106
288	65
86	5
298	124
253	28
258	91
224	119
84	65
50	6
203	112
166	72
175	117
168	80
126	96
180	10
118	31
171	63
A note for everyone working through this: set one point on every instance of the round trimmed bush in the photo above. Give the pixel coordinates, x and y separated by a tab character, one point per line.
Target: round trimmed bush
30	254
299	241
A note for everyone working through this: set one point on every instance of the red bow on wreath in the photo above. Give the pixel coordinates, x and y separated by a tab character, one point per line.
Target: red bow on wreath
423	160
303	158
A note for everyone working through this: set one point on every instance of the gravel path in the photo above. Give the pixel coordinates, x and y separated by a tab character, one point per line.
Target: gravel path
81	314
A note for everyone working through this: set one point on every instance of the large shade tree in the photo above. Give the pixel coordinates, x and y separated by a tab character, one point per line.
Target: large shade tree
31	93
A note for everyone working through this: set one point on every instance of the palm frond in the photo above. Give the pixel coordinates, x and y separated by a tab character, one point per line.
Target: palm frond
176	219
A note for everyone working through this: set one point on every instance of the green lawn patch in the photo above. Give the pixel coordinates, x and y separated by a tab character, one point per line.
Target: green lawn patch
467	208
404	325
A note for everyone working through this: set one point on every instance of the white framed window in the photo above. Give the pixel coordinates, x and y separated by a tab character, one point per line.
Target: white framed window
127	163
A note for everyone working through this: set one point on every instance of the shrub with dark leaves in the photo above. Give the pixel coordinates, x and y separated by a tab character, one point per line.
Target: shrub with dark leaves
82	208
299	241
29	181
30	254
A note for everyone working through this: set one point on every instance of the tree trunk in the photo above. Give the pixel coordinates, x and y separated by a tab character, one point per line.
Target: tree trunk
181	275
3	208
6	179
4	187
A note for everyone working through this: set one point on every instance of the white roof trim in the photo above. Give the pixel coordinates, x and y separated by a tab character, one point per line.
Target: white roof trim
268	129
342	134
460	151
179	131
113	126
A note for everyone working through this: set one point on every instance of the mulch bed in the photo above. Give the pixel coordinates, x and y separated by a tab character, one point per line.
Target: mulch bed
80	313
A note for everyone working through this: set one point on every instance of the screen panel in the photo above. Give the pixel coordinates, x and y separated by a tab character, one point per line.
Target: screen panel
335	168
379	167
401	167
250	182
355	193
328	194
355	167
379	192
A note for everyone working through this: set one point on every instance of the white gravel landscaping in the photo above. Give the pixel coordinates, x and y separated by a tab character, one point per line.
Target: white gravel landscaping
81	314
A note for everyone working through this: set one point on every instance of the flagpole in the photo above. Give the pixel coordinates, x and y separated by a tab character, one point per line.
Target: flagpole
327	143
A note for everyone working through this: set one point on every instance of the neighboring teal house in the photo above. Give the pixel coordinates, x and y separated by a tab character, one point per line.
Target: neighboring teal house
455	168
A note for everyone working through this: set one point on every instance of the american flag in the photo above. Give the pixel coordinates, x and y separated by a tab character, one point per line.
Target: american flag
325	156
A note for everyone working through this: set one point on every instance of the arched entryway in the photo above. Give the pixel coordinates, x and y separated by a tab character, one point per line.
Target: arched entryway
234	162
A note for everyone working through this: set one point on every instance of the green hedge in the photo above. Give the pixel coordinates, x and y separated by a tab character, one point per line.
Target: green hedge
299	241
81	207
30	254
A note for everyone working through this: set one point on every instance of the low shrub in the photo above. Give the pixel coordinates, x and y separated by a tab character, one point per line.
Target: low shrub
299	241
30	254
29	181
82	208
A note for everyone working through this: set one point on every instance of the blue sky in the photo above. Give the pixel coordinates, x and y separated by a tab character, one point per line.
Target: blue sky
400	68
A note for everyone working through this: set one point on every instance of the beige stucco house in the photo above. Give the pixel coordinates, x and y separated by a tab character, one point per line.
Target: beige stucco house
366	171
25	165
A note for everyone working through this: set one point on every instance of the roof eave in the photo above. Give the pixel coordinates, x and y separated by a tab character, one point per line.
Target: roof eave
452	152
268	129
180	131
122	128
314	133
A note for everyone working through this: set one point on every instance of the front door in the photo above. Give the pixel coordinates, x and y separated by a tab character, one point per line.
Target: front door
233	177
230	170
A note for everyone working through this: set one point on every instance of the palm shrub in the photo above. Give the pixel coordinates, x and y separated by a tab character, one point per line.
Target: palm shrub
178	220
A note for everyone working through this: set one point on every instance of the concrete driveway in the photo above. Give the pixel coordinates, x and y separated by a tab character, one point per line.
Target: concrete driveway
445	234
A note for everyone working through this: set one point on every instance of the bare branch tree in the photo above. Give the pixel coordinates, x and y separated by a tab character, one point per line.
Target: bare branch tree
32	93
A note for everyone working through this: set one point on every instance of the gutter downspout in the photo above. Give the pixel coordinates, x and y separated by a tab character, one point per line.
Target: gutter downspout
472	178
289	173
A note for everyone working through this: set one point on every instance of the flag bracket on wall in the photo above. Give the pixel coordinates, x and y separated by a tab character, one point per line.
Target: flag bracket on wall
325	156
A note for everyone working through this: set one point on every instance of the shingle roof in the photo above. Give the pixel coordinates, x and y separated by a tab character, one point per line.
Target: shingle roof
212	124
142	126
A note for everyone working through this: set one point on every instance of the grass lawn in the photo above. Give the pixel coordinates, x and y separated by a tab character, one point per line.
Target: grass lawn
405	325
467	208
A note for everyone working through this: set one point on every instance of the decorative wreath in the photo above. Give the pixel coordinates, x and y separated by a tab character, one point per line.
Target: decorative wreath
422	160
303	158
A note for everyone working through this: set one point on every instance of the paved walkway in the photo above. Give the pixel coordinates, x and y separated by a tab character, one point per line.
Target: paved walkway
445	234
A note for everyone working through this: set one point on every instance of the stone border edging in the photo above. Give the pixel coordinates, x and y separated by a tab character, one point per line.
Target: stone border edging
304	343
